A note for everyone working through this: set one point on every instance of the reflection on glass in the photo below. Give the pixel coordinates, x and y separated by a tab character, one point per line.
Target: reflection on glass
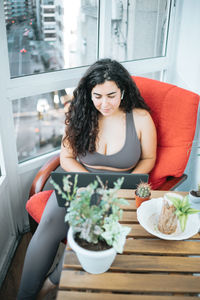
47	35
154	75
138	28
39	123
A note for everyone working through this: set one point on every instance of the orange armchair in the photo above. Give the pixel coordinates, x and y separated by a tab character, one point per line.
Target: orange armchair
174	111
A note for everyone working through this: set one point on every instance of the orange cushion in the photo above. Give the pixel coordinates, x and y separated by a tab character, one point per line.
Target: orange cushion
36	204
174	111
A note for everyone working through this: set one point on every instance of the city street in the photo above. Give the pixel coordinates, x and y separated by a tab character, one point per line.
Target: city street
34	135
20	62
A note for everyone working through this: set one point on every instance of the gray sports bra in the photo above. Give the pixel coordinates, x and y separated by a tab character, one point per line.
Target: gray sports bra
127	157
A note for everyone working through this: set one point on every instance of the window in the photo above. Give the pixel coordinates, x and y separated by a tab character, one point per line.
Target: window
129	30
49	11
154	75
39	123
48	2
50	35
49	19
56	35
138	29
75	36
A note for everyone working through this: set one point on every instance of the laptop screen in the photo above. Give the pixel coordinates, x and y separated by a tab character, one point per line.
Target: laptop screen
130	180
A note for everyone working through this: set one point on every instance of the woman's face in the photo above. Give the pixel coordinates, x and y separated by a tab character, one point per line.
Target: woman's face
106	97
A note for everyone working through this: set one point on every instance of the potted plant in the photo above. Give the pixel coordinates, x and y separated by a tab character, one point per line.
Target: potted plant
182	207
194	195
93	214
142	193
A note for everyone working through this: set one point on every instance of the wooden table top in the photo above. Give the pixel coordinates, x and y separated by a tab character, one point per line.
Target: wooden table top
148	269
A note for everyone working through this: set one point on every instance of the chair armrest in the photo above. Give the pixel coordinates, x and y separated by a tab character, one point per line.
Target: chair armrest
43	174
172	182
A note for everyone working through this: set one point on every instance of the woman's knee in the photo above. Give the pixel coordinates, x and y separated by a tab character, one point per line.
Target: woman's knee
52	219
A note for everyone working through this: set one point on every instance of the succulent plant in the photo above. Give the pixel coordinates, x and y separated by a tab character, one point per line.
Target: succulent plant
143	190
183	209
94	211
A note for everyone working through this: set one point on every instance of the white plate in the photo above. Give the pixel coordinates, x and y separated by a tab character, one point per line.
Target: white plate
148	215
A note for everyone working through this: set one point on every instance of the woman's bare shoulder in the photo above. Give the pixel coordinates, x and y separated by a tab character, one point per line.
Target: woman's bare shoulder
140	113
142	118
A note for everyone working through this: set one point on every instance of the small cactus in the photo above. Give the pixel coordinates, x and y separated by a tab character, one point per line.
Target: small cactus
143	190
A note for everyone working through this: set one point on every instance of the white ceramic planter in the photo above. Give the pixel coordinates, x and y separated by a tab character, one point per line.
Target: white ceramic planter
193	198
195	201
94	262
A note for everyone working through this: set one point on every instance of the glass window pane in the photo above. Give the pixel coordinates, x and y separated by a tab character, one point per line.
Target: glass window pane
153	75
50	35
39	123
139	28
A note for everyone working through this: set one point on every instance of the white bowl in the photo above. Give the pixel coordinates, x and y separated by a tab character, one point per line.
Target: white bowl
172	195
148	215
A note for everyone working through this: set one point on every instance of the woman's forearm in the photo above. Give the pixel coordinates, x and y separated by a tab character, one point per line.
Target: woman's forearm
71	165
144	166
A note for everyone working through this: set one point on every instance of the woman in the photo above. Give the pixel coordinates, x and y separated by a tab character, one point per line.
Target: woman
108	129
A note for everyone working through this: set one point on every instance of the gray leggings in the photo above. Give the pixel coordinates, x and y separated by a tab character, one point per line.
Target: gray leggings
42	250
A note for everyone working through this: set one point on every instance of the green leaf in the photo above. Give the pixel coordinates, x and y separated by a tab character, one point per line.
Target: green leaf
178	212
176	201
185	208
192	211
183	221
185	200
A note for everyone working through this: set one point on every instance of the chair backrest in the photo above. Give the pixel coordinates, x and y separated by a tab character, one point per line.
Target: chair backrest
174	111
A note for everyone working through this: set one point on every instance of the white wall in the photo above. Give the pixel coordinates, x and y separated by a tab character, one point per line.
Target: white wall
186	73
187	56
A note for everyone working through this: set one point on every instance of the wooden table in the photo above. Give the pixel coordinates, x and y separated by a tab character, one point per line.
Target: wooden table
149	268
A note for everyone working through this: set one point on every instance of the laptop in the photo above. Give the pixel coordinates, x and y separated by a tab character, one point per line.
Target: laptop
130	180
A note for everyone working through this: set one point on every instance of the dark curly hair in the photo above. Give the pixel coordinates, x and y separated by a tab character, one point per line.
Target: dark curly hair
82	117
